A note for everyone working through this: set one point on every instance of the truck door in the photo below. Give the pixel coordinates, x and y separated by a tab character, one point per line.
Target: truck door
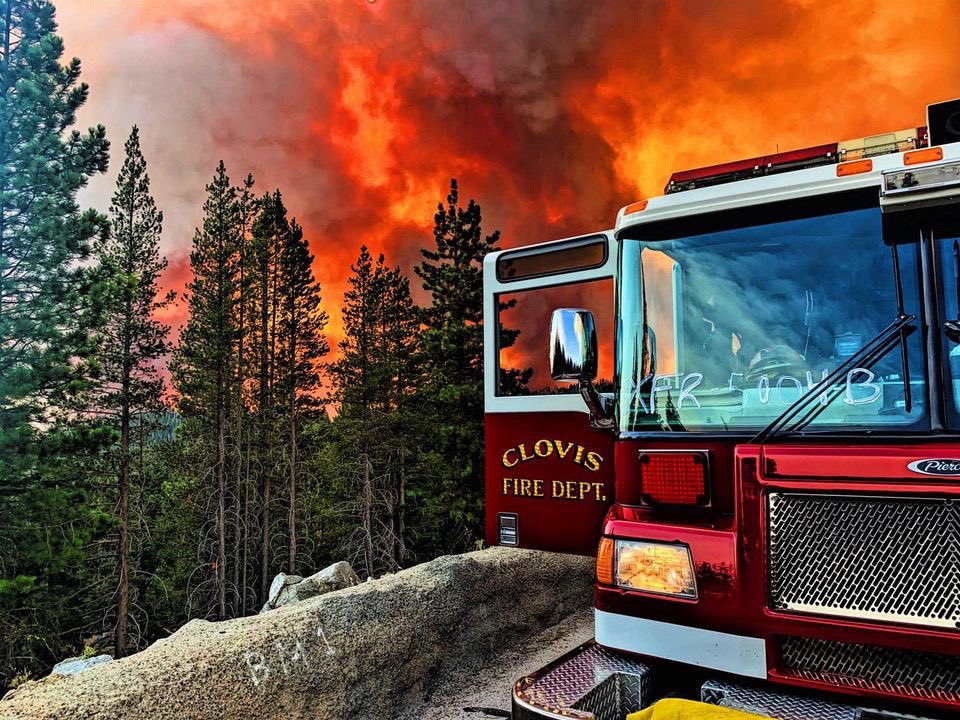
549	474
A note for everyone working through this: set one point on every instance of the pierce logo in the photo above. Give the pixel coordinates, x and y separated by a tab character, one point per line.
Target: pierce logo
936	466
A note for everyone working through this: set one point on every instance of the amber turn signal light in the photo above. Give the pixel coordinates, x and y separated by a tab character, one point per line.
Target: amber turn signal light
854	168
605	561
926	155
636	207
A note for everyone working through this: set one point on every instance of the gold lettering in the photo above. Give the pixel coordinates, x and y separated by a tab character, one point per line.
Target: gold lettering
507	463
584	489
525	487
538	488
599	487
506	483
556	488
523	454
593	461
579	456
547	448
570	487
561	450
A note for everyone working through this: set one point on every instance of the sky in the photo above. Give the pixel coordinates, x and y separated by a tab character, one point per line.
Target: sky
551	113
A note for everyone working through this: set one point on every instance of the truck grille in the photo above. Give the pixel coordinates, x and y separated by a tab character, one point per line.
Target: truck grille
874	558
908	673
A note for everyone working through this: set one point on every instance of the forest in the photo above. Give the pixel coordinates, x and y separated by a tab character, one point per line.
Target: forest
144	482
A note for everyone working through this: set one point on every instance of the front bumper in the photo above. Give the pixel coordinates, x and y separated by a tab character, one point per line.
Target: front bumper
736	654
592	682
588	683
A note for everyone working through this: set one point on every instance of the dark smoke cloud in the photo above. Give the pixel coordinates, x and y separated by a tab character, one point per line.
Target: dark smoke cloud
552	114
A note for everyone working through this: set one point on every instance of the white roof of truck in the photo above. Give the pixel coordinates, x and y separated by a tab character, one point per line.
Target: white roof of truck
769	188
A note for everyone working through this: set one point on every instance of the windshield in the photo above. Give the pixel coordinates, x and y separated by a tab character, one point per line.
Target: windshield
722	327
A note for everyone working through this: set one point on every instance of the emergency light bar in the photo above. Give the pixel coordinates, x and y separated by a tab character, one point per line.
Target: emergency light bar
830	154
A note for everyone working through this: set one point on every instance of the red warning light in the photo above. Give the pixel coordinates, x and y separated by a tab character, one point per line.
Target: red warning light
674	478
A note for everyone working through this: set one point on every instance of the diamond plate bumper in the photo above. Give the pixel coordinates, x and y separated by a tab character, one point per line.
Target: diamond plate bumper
785	706
774	704
588	683
594	683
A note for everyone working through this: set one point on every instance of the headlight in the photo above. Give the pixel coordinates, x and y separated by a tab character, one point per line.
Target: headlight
655	567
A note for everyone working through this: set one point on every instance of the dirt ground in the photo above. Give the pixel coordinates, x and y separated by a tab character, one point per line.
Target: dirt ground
465	695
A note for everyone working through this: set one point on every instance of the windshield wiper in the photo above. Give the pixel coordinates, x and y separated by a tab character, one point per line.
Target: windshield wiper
874	350
894	334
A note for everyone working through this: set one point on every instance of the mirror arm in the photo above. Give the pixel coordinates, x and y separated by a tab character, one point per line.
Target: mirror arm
600	415
951	329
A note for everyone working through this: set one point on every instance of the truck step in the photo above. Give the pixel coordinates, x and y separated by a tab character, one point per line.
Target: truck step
588	683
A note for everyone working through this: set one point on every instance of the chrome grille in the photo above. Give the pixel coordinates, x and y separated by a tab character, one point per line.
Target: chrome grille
907	673
869	557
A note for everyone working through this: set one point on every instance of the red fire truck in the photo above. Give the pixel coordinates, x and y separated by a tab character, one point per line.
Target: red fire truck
752	420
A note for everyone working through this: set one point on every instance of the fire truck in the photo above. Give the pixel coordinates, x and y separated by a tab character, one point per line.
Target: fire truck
752	420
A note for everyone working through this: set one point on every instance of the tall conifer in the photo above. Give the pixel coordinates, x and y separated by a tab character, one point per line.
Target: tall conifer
43	163
203	364
269	235
373	383
43	323
452	347
131	340
302	324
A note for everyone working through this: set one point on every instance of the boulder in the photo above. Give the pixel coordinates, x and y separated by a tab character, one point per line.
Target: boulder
71	666
283	590
334	577
374	650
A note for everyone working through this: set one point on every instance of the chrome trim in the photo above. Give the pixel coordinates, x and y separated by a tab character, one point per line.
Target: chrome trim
871	557
726	652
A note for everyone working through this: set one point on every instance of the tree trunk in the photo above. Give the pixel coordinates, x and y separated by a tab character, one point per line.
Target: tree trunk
225	497
367	516
221	499
123	499
292	495
400	528
263	409
239	495
246	529
123	539
292	514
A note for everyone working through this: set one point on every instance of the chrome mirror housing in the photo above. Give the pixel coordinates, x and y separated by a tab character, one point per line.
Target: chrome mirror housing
573	345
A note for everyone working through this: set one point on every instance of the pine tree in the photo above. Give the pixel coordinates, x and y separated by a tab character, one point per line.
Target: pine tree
42	230
131	340
270	232
373	385
398	330
243	430
452	347
376	370
301	324
352	389
203	364
44	325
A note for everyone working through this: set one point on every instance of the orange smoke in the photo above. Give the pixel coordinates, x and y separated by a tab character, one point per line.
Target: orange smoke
551	115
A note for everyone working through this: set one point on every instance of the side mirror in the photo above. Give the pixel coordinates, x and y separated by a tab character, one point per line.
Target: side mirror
573	345
573	357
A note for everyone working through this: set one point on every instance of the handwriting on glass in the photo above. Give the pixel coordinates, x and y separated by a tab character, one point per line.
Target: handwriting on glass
860	388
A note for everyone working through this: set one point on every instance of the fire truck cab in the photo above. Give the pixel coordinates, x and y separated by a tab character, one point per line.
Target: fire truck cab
749	412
